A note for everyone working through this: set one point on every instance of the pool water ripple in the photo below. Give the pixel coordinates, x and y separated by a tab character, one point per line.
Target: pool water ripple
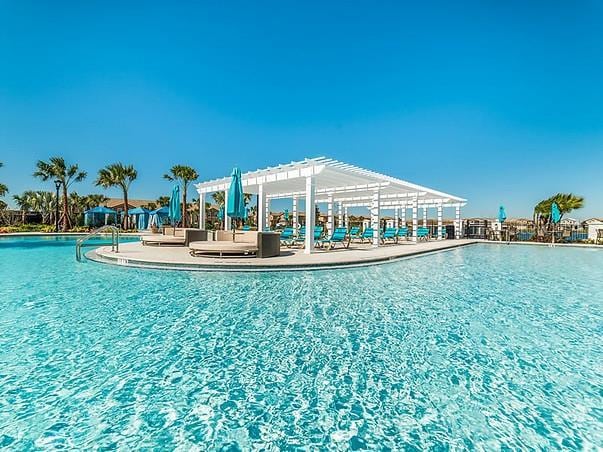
480	347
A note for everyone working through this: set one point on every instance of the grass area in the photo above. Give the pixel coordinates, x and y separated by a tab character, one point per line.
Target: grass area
37	228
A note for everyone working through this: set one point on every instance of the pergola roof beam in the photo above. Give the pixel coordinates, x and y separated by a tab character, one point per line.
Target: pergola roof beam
332	177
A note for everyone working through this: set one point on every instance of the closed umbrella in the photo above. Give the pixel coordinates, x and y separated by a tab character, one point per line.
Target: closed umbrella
236	199
502	216
175	211
286	215
555	217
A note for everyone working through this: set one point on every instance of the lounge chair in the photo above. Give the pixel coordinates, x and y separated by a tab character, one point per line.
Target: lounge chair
340	235
248	243
367	235
423	233
246	228
403	232
174	237
301	238
354	233
287	236
390	234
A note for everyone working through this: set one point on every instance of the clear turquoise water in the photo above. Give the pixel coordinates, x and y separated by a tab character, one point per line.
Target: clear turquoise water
483	347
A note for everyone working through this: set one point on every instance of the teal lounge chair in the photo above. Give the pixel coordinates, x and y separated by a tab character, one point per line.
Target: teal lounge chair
423	233
287	236
246	228
403	232
354	233
301	238
367	235
390	234
340	235
318	230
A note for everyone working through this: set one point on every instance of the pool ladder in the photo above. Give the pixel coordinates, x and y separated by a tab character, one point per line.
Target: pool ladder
114	240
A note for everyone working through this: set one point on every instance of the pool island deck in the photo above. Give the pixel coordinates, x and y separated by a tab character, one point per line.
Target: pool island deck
134	254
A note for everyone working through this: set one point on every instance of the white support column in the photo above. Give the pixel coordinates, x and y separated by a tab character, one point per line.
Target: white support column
267	213
424	217
376	218
339	215
396	216
440	221
346	218
310	214
457	223
404	216
226	218
415	220
295	222
202	214
261	208
330	216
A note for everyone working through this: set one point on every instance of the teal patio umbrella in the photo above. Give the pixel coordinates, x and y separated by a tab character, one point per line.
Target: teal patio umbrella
175	210
555	217
502	216
555	213
236	198
286	215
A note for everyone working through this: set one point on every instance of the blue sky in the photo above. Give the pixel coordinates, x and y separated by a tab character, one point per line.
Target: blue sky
498	102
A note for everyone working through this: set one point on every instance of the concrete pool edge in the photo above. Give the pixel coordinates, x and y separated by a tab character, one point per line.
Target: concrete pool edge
550	245
62	234
106	258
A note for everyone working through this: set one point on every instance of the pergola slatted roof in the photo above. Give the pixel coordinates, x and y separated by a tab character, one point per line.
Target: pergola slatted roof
342	182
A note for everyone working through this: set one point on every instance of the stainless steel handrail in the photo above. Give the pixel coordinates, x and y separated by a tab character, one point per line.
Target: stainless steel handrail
114	240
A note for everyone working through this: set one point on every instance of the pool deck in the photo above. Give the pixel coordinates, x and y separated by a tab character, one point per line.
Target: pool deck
178	257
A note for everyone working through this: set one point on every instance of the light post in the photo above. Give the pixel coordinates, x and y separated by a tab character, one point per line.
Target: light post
57	184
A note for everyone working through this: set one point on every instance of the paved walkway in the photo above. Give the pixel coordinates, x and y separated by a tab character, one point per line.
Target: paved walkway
134	254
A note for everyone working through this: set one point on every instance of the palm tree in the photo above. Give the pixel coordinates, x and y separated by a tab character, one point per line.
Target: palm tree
56	169
43	202
3	188
565	201
163	201
185	175
118	175
24	202
253	214
218	198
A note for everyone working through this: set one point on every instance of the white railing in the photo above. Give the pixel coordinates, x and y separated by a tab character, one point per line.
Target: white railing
114	240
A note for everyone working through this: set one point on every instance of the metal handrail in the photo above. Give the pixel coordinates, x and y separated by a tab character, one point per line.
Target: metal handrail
114	240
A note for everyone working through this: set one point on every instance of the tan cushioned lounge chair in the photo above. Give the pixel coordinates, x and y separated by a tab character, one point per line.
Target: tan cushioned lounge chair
160	239
245	243
181	237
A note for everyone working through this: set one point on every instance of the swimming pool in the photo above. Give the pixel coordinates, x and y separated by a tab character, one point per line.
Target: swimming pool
483	346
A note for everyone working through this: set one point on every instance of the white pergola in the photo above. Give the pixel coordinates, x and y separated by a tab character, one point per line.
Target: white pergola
324	180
